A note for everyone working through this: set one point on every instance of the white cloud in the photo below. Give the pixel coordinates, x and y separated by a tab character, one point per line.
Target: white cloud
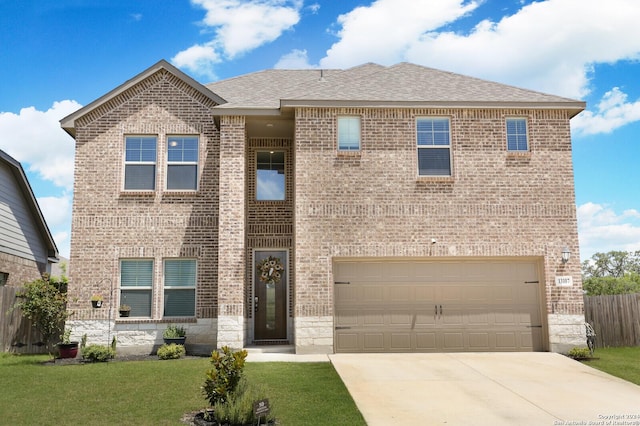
384	31
296	59
198	59
613	111
238	26
602	229
36	140
549	45
57	213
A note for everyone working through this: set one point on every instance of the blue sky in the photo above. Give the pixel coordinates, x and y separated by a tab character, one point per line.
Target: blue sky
59	56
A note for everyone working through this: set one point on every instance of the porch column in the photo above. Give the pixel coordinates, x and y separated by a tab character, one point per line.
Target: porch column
231	233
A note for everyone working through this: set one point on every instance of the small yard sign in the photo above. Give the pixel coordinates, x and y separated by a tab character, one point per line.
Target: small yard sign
564	281
261	408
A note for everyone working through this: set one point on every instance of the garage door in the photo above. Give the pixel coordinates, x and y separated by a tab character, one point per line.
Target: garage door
425	306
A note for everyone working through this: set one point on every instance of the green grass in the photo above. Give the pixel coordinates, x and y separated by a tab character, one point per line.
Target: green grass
619	362
159	392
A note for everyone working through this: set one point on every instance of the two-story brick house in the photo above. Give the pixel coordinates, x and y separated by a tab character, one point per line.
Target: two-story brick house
370	209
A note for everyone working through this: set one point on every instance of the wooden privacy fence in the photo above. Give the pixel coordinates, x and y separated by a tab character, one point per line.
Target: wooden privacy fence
615	319
16	333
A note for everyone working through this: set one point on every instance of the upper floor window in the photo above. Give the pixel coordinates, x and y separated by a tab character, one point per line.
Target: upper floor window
517	134
136	286
348	133
182	163
270	179
140	163
179	287
434	147
4	277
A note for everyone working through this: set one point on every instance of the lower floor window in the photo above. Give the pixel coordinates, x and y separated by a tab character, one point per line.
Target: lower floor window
136	286
179	287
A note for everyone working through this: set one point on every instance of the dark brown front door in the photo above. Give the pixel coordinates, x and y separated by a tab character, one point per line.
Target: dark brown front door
270	300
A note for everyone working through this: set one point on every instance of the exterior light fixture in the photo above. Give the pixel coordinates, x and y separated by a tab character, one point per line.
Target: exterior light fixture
566	254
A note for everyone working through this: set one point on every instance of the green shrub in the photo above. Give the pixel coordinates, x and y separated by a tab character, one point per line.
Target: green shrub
97	353
579	353
43	302
171	351
174	331
224	375
238	409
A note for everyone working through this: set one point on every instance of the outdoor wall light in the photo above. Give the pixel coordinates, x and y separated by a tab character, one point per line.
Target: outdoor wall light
566	254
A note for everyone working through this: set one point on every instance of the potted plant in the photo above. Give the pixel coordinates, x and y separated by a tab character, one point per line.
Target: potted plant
96	301
124	310
66	347
174	334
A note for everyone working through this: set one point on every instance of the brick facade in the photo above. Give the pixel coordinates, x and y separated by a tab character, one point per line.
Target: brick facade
372	204
110	224
364	204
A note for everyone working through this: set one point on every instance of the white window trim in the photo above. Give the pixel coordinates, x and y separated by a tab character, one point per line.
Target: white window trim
182	163
142	163
450	146
345	116
506	134
194	287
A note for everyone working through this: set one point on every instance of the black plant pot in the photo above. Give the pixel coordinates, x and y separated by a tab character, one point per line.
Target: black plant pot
176	340
96	303
124	313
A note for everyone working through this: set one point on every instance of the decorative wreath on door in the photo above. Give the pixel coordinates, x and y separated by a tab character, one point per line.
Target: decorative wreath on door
270	270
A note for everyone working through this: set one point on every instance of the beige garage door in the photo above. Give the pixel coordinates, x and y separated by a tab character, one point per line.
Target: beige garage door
420	306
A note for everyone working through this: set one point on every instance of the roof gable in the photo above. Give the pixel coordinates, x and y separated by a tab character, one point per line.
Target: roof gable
69	122
31	204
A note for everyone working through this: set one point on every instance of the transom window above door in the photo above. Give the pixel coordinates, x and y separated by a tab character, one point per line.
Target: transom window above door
270	176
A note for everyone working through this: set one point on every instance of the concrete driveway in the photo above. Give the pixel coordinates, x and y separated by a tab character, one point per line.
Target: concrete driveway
485	389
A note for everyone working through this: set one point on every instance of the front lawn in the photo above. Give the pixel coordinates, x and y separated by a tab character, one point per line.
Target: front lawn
160	392
619	362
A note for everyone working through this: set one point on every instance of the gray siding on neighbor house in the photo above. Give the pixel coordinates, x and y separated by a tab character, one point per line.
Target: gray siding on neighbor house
19	235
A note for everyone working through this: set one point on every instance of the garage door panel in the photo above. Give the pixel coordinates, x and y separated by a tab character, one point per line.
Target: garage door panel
425	319
400	342
451	293
395	306
424	293
400	293
347	318
425	341
479	341
404	319
453	340
506	341
372	318
478	317
348	341
373	342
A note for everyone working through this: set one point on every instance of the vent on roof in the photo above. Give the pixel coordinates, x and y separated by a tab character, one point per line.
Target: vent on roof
322	75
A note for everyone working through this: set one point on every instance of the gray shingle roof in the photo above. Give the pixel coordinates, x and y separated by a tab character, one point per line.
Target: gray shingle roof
403	84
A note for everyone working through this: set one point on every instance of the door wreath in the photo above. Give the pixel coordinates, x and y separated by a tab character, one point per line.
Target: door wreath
270	270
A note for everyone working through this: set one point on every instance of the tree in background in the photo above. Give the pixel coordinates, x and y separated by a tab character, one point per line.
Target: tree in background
615	272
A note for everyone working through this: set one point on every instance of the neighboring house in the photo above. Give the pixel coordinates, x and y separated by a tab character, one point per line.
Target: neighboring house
27	249
371	209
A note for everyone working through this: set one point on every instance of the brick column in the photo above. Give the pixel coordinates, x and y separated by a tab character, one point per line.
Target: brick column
231	233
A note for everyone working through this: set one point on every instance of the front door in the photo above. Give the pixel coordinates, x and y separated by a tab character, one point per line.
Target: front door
270	295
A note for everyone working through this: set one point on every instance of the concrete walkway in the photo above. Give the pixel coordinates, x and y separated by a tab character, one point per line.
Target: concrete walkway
485	389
